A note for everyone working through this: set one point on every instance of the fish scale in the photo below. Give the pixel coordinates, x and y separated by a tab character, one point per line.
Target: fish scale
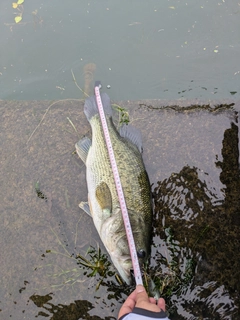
121	152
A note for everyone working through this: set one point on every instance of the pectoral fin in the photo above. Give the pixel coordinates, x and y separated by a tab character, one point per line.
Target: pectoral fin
104	198
82	148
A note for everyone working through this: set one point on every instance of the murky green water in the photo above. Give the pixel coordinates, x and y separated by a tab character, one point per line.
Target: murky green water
192	156
142	49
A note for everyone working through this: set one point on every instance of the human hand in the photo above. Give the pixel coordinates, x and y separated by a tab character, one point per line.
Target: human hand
139	298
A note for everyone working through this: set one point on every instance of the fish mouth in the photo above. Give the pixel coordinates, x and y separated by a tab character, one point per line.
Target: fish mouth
123	264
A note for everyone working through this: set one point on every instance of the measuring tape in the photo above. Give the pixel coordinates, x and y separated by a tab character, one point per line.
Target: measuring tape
128	228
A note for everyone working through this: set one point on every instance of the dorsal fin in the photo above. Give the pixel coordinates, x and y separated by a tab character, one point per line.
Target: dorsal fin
131	133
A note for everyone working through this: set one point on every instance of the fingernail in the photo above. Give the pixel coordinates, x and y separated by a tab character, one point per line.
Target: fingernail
140	288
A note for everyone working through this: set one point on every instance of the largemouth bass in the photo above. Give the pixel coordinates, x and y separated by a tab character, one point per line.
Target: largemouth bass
103	204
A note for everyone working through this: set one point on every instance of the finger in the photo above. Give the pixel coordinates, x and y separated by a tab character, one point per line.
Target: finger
161	304
152	300
141	295
142	300
128	305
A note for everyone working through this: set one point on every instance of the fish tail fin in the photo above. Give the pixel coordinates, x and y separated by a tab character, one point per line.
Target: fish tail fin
91	108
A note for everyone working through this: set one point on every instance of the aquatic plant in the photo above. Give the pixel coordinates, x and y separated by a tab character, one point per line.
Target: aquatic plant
18	5
123	114
171	275
19	11
97	263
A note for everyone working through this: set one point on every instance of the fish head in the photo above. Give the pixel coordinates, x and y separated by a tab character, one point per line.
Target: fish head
141	229
114	236
123	264
121	258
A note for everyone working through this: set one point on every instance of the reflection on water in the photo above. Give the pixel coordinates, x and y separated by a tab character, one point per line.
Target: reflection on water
206	231
89	70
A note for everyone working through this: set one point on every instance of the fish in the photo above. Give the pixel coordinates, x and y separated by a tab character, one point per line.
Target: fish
103	203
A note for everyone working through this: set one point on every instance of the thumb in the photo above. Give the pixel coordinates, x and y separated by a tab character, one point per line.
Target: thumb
141	295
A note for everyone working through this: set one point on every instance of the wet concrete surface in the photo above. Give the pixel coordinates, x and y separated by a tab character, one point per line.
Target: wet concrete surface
191	152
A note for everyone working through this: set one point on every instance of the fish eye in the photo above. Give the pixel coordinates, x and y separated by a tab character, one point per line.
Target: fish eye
141	253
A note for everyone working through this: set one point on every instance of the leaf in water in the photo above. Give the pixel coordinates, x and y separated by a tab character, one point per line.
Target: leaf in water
14	5
18	19
20	1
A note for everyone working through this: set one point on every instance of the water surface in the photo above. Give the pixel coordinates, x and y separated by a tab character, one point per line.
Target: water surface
141	49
